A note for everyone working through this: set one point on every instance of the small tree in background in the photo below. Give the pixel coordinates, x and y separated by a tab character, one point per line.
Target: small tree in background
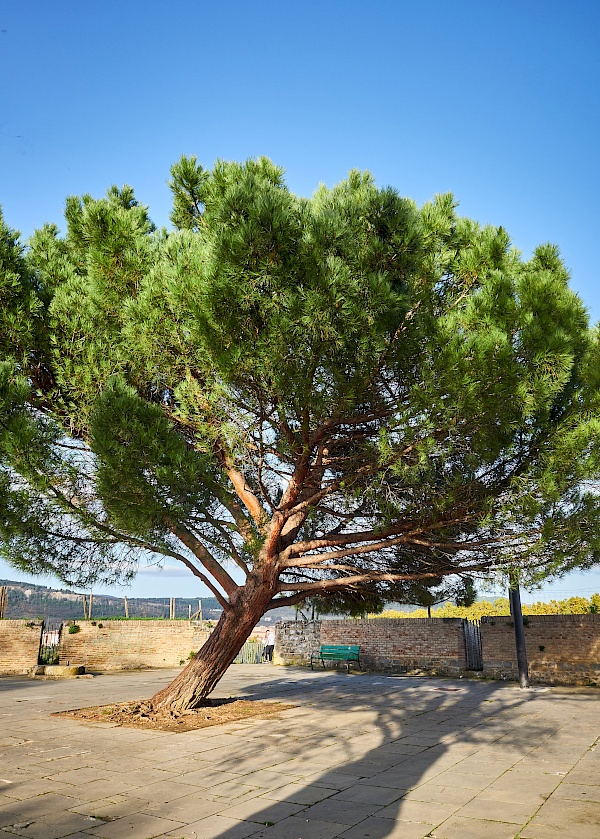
436	591
359	604
291	397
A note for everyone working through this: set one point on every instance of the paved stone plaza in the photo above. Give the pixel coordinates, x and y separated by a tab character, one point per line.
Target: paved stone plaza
359	757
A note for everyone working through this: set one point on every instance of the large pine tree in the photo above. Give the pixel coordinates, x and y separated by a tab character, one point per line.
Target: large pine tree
292	397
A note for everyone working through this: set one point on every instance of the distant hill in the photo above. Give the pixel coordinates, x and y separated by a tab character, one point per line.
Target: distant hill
31	601
28	600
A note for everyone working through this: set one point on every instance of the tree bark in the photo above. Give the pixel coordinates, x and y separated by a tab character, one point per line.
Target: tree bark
196	681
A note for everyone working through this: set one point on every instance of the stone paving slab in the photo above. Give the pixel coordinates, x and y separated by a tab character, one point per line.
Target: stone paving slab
33	809
517	813
135	826
52	826
366	794
115	807
214	827
270	812
578	792
297	827
536	831
435	794
377	828
301	794
358	757
459	827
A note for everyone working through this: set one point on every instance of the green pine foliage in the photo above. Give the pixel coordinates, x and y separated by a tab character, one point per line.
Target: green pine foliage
337	395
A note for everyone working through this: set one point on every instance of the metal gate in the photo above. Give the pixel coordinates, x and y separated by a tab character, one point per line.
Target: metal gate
473	651
251	653
49	643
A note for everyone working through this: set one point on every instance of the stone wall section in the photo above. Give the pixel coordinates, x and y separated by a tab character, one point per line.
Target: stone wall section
19	645
295	641
388	645
131	645
561	649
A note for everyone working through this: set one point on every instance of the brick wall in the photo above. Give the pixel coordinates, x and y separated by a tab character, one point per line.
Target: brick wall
561	649
129	645
391	645
570	654
19	645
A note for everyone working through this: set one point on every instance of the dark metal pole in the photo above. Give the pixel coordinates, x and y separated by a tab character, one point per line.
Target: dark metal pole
514	597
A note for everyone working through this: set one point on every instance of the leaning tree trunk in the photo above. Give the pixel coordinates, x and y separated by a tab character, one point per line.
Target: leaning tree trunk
199	678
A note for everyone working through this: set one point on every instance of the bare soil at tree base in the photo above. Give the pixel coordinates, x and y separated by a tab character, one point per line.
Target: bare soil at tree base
141	714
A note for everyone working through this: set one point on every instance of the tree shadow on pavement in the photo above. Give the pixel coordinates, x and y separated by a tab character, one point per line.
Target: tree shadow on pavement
355	752
18	683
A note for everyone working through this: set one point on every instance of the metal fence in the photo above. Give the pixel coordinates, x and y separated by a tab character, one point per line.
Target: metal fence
251	653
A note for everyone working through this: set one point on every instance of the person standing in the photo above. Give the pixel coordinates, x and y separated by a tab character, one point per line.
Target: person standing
269	644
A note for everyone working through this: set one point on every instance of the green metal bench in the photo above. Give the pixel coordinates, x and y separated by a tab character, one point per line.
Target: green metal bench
336	652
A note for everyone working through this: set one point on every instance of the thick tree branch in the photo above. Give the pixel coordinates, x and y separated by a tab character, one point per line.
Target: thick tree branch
203	578
378	577
242	522
199	550
231	549
379	537
244	493
287	600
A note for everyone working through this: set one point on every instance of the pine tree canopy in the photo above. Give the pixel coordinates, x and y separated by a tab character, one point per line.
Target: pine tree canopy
340	394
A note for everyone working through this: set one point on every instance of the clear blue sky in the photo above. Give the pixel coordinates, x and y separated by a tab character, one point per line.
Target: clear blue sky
495	102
